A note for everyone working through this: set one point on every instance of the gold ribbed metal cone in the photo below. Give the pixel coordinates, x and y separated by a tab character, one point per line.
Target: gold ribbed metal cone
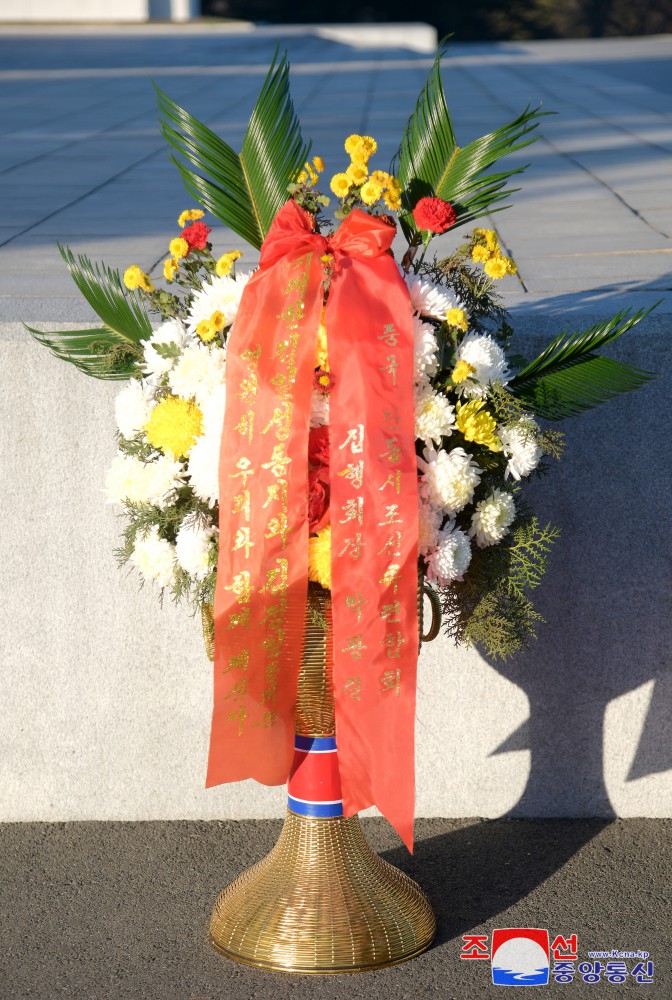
321	901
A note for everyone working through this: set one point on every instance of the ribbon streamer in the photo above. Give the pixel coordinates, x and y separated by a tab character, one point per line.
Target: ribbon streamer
263	555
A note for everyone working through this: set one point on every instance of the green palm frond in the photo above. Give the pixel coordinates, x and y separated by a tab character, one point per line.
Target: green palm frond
243	190
99	353
429	161
568	377
111	351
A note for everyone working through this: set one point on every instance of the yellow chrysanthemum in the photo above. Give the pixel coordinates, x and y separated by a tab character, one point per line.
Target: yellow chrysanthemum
477	424
226	262
370	193
191	215
352	143
170	268
356	173
318	163
135	277
174	425
480	254
496	267
218	319
179	248
302	177
340	185
321	357
392	201
511	267
206	330
457	318
380	177
462	371
489	238
319	558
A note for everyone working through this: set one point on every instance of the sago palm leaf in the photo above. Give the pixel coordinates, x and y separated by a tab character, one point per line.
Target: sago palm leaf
98	353
243	190
568	377
429	161
112	351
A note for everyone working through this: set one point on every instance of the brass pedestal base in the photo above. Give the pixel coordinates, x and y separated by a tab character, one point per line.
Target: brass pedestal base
322	902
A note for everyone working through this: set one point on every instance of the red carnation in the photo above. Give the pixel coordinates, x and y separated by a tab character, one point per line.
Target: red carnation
434	214
318	450
318	502
196	235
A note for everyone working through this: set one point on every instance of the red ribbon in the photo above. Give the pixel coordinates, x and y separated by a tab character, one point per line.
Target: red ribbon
262	570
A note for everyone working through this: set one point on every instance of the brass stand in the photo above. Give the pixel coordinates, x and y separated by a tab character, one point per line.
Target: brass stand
321	901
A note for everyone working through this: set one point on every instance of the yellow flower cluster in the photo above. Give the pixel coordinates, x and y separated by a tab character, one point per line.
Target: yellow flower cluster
135	277
486	250
191	215
372	187
208	329
311	171
174	425
462	371
170	268
457	318
477	424
319	558
225	263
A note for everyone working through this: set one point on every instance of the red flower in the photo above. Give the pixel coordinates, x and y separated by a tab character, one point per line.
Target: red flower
196	235
318	501
323	381
434	214
318	450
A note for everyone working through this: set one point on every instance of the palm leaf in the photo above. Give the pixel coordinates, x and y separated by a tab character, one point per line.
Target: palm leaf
98	353
111	351
243	190
429	161
568	377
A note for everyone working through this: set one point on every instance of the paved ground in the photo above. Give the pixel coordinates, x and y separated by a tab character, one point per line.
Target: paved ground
120	911
82	159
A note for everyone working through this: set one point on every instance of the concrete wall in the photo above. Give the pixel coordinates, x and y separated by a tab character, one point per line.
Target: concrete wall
105	698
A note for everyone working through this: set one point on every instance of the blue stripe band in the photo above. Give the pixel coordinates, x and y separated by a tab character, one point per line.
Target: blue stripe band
315	743
324	810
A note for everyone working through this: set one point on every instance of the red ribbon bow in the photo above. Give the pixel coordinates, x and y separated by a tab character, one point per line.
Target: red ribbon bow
263	555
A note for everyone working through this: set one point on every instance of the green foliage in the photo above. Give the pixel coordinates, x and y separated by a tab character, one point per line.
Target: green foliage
491	607
429	161
113	350
243	190
568	377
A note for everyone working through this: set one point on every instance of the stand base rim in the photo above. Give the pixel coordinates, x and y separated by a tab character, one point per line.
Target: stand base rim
319	971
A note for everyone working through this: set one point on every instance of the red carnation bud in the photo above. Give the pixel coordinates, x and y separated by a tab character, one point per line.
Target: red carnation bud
196	235
318	450
434	214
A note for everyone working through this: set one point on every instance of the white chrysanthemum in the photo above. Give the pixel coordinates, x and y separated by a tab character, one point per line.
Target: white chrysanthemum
520	447
425	350
217	295
170	332
155	557
198	372
132	407
450	558
429	522
319	409
203	465
449	478
487	360
492	518
194	548
427	299
128	478
163	476
434	416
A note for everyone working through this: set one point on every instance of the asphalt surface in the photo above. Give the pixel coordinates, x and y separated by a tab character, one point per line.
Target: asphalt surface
119	911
